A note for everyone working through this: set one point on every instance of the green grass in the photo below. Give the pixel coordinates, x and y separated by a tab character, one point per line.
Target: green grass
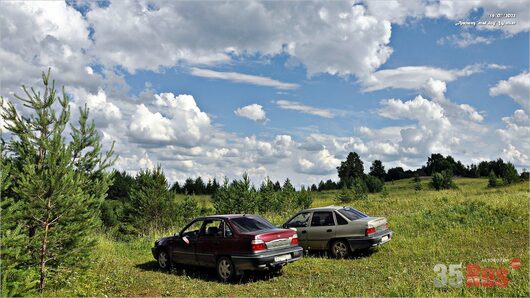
466	225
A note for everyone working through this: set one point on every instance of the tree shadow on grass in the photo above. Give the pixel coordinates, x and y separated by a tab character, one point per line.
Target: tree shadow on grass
206	274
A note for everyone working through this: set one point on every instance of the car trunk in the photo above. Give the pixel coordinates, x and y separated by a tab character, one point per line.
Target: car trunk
379	223
274	239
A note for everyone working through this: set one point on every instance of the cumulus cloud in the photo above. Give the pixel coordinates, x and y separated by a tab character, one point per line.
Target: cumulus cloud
321	163
400	11
515	138
179	121
253	112
433	133
242	78
250	27
517	87
36	35
302	108
102	109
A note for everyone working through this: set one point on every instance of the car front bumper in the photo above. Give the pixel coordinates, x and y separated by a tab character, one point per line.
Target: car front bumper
376	239
267	259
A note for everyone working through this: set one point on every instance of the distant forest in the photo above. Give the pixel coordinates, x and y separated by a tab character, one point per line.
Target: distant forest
435	163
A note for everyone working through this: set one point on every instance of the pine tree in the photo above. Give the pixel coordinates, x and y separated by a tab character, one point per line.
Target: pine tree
59	186
492	179
18	278
152	204
350	169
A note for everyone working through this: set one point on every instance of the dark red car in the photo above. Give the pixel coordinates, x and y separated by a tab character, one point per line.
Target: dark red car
230	243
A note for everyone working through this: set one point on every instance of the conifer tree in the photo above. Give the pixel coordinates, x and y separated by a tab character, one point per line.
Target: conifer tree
57	184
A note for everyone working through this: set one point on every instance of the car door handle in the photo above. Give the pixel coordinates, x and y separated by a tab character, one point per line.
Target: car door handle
303	232
329	230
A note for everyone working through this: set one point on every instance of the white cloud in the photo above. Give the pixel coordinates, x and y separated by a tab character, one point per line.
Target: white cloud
414	77
35	35
465	39
101	109
457	10
249	28
321	163
242	78
300	107
516	138
433	133
178	121
253	112
517	87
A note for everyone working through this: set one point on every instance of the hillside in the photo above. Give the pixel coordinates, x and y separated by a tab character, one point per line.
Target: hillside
469	225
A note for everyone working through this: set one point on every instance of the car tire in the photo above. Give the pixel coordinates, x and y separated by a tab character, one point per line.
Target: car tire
340	249
225	269
163	260
277	271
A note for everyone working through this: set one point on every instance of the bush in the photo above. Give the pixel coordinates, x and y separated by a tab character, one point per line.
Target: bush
417	186
359	189
373	184
492	179
443	180
240	196
344	196
384	193
509	174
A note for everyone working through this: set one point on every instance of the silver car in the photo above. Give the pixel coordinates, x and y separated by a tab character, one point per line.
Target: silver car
341	230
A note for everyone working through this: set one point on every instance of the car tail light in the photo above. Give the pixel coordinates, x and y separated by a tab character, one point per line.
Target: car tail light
369	231
258	244
294	239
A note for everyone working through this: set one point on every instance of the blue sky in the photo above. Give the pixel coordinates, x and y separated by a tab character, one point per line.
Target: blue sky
282	89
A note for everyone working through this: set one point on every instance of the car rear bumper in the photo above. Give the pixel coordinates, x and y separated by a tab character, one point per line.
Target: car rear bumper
267	259
377	239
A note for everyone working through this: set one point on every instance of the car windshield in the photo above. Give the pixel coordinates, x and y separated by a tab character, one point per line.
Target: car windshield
251	224
352	214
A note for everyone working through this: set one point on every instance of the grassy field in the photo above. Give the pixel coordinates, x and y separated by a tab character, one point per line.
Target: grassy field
472	224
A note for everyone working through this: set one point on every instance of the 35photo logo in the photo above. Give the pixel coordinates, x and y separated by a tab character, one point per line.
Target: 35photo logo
476	276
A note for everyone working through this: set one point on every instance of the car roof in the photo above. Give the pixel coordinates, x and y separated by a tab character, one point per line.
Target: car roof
224	216
326	208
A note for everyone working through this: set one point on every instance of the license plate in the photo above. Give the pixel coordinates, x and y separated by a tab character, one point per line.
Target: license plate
384	239
282	258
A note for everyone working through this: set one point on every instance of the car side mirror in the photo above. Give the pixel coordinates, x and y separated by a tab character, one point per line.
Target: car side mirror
177	234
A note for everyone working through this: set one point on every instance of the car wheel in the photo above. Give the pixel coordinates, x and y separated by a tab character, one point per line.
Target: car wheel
163	260
225	269
277	271
340	249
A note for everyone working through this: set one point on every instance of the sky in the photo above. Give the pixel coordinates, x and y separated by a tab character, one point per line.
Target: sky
281	89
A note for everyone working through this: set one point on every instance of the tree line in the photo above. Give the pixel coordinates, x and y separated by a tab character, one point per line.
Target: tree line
352	168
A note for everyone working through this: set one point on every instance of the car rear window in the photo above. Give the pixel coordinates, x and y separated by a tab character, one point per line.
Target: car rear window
251	224
352	214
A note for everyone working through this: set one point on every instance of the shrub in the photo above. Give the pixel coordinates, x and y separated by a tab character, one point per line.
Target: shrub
384	193
417	186
359	189
443	180
509	174
373	184
344	196
492	179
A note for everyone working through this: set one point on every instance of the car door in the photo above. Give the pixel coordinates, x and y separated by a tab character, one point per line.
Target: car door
182	249
320	230
207	244
300	222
